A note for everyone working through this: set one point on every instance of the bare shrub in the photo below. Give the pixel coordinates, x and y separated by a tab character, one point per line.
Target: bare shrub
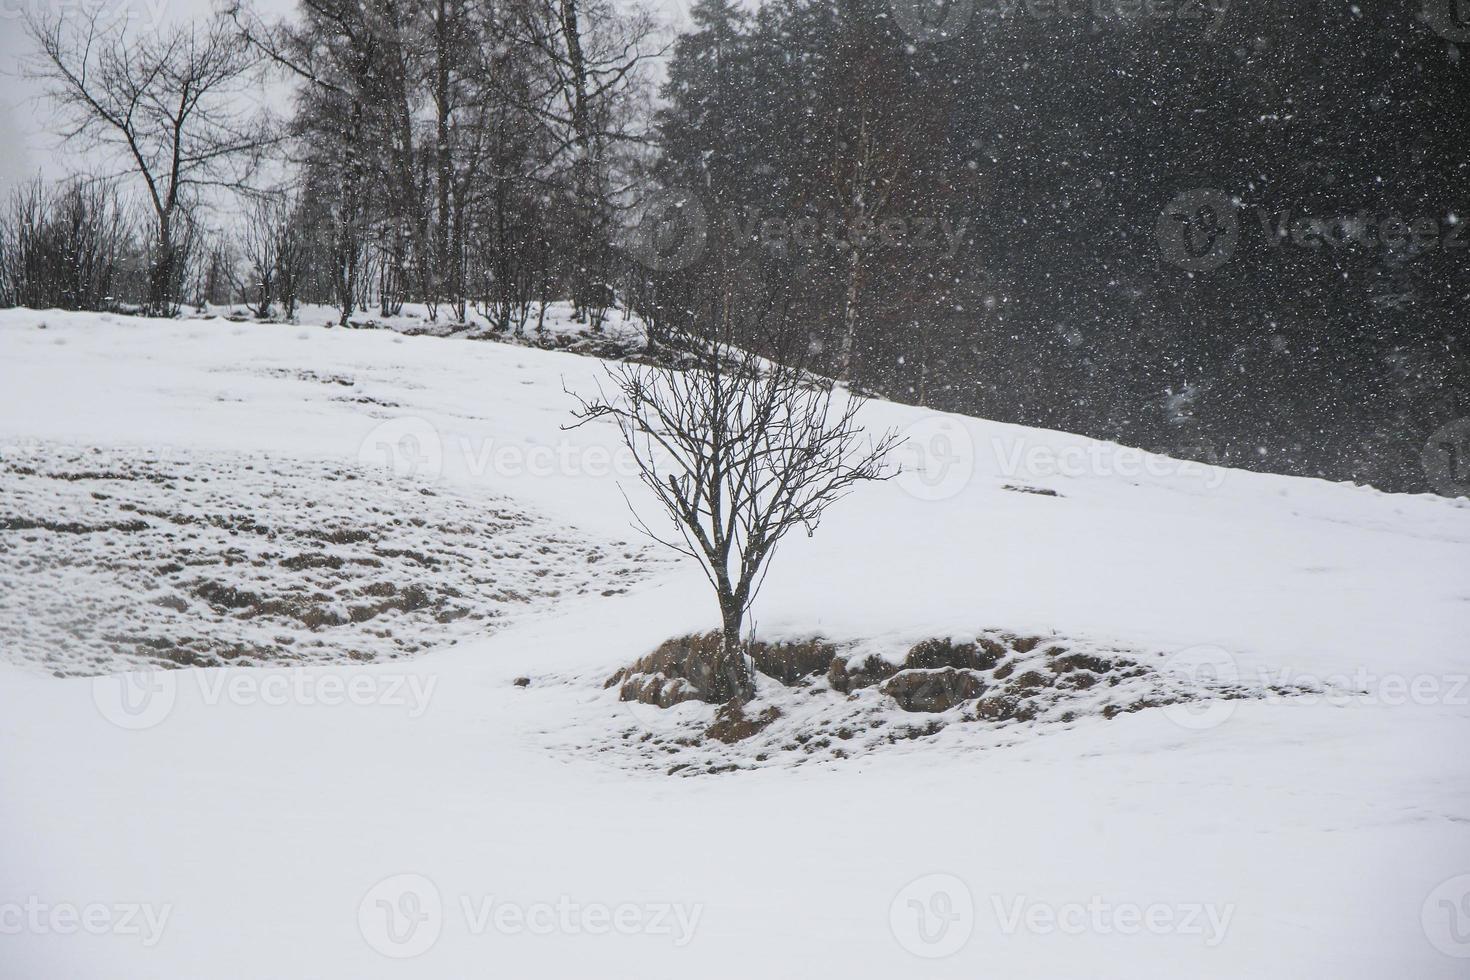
63	246
273	245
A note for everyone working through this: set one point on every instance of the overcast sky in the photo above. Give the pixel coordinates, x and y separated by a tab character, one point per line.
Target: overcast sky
28	144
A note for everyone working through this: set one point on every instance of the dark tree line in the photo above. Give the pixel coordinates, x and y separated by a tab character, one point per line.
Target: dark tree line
451	153
973	221
1051	145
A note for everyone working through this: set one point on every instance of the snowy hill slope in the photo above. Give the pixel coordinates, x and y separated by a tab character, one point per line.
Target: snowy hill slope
271	811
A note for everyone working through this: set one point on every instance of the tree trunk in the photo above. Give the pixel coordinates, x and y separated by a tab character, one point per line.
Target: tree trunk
347	249
923	364
442	163
161	274
586	174
733	680
849	315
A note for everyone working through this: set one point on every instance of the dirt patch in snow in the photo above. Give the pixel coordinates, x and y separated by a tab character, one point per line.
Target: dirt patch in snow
988	689
119	559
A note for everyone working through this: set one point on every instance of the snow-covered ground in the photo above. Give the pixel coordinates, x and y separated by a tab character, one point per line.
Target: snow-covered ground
399	806
129	557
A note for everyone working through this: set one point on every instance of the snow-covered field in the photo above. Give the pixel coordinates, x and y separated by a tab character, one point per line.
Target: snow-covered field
382	534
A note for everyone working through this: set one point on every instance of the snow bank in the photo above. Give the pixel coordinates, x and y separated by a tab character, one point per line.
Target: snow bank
437	822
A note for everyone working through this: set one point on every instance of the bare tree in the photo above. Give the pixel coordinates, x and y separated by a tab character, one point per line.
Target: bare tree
593	61
293	255
738	450
216	283
273	246
259	246
170	103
